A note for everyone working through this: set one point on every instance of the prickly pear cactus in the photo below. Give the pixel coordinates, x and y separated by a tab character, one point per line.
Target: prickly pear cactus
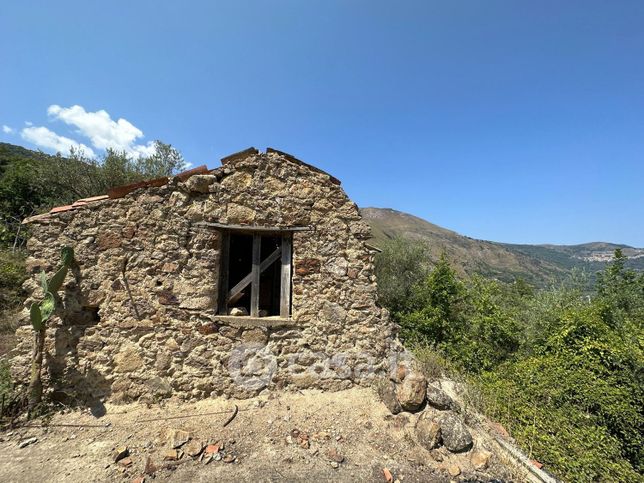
40	312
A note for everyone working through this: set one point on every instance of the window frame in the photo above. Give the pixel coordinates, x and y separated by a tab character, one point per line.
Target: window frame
286	272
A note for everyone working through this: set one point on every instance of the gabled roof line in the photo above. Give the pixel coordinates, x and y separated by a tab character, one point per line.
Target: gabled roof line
123	190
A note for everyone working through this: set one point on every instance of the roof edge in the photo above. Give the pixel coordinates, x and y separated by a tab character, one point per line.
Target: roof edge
295	160
239	155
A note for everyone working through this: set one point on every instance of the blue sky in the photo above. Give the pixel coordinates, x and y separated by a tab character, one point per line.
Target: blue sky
514	121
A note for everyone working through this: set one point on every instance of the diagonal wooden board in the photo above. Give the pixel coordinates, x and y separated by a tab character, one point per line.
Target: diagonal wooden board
236	292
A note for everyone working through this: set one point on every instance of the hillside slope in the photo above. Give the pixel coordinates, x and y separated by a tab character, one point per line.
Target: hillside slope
537	264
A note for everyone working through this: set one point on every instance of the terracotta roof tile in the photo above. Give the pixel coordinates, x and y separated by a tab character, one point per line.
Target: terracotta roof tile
203	169
91	199
121	191
59	209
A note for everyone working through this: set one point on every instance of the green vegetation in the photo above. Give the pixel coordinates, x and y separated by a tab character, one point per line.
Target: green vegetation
562	370
33	182
39	315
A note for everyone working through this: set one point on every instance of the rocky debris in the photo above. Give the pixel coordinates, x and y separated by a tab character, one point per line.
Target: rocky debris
456	437
238	311
480	459
139	479
439	399
321	436
194	448
389	478
334	456
411	392
387	393
150	468
177	438
299	437
125	462
454	470
120	453
428	431
436	455
229	458
212	449
171	455
27	442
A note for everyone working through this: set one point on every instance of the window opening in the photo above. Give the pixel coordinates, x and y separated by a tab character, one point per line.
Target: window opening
256	274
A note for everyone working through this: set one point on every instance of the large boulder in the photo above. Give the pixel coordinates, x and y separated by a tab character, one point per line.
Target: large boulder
438	399
456	437
387	393
411	392
428	431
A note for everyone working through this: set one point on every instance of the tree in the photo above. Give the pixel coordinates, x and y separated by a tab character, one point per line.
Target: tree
400	266
435	309
165	161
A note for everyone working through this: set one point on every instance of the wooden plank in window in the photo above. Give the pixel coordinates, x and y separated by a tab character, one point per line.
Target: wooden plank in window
224	269
254	288
233	295
285	283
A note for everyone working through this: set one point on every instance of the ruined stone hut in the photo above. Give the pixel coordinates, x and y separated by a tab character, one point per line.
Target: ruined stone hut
160	266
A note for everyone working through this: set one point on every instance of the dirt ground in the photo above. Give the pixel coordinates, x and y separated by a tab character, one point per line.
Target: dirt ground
306	436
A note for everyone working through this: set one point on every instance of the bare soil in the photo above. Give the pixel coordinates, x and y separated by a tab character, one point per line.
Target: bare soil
280	437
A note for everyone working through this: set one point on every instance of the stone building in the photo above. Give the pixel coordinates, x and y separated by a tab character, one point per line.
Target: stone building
161	266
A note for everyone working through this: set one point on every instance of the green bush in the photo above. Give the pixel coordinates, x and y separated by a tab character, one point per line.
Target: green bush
563	370
12	275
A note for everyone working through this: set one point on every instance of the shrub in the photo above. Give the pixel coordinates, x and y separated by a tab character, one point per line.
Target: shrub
563	370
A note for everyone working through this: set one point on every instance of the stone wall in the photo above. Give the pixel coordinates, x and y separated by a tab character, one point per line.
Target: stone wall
138	317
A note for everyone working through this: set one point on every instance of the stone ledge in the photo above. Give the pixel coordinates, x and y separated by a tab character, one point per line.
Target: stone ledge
245	321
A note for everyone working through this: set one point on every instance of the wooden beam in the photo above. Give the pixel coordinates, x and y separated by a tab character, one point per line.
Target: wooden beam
253	228
285	283
224	266
254	287
243	283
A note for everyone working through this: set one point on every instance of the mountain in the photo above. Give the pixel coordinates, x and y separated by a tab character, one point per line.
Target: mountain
537	264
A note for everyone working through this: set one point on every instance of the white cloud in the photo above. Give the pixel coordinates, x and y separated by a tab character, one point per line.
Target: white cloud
44	138
29	123
7	129
102	131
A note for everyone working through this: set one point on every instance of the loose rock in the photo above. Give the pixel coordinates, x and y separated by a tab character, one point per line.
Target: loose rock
194	448
334	455
177	438
480	459
27	442
387	393
454	470
120	453
438	398
238	311
428	431
150	467
171	455
456	437
411	392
